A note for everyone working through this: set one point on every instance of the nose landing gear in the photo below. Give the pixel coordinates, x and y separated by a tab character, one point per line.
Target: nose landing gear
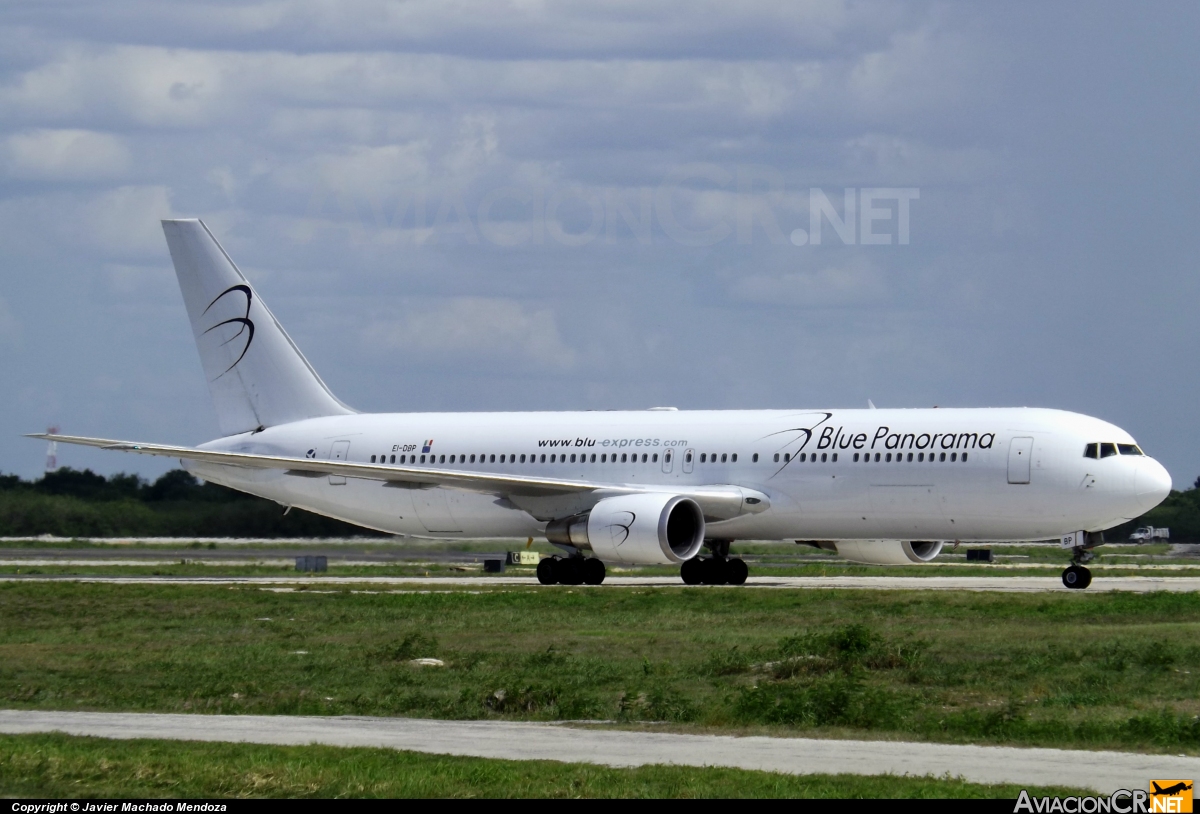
1077	576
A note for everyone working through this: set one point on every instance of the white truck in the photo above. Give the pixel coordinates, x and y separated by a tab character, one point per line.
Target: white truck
1146	534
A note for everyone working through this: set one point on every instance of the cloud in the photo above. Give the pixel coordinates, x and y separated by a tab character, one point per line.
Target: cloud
10	328
125	221
64	155
501	331
122	84
827	287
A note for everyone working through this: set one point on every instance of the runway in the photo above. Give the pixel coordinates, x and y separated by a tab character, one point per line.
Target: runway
883	583
1103	772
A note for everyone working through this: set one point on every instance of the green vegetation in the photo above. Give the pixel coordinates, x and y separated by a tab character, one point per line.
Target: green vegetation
1180	513
472	566
68	503
60	766
1094	670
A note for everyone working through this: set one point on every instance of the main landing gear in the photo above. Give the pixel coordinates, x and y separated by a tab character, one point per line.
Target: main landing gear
570	571
719	569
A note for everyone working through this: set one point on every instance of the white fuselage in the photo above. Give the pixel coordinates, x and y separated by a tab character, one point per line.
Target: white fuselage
927	474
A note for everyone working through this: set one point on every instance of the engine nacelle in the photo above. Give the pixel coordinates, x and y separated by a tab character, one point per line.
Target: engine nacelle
888	552
647	529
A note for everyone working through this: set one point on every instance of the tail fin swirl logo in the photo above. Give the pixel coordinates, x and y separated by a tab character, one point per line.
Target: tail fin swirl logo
245	325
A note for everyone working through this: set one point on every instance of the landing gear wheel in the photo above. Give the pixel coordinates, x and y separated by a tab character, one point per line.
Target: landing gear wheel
545	571
716	571
1077	577
737	571
691	571
593	571
569	571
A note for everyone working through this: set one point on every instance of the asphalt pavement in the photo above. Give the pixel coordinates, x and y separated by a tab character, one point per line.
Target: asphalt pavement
1103	772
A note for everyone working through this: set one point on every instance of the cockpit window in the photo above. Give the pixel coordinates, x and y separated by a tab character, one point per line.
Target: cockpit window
1107	450
1130	449
1091	451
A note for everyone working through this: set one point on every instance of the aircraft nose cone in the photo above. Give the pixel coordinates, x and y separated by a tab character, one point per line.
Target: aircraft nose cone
1152	484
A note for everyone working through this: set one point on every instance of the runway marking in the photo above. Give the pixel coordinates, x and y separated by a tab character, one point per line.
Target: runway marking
883	583
1102	771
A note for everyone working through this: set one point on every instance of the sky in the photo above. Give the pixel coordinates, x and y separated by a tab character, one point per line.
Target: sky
547	206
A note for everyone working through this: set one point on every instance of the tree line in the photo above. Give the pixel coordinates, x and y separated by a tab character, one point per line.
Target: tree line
73	503
1180	513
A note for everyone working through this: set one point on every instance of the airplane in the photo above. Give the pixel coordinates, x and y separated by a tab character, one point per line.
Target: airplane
1170	791
642	487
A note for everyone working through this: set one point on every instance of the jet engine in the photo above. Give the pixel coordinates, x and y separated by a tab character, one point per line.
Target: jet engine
646	529
888	552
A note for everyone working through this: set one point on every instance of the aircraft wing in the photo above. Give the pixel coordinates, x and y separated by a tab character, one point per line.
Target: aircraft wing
391	473
717	501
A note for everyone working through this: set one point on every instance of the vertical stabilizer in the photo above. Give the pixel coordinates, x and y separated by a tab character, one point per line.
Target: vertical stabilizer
256	374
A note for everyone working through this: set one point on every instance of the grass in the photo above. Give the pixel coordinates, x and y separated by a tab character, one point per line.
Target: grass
765	559
1075	670
192	568
61	766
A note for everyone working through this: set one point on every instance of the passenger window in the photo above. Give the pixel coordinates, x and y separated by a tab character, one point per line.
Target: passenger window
422	459
1108	450
823	456
787	456
623	458
804	457
733	458
593	457
502	458
654	458
604	458
451	459
724	457
572	459
776	457
372	459
703	457
442	460
920	457
1129	449
943	457
687	459
953	456
888	459
964	457
754	458
856	457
